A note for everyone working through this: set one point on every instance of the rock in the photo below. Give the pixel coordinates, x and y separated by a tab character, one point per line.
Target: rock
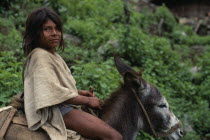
108	47
195	69
73	39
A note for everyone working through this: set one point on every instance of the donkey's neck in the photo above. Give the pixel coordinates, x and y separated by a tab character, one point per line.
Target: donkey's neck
121	112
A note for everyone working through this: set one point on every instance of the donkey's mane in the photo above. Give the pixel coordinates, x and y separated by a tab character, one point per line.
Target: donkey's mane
119	110
116	99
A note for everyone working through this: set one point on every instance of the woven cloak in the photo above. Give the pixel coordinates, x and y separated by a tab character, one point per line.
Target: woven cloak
47	83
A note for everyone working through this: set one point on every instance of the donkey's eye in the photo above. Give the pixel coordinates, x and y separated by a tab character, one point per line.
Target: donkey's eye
162	106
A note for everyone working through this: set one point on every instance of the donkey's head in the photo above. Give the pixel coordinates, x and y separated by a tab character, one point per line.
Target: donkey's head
158	114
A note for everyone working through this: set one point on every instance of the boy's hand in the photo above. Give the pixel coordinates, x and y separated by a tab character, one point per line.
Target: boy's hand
86	93
94	102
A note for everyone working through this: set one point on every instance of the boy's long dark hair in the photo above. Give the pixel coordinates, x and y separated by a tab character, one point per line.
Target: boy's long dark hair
33	28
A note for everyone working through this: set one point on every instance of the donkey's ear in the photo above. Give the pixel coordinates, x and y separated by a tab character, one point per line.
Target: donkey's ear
132	80
121	66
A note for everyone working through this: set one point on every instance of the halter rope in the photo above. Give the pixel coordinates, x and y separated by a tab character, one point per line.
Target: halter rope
174	128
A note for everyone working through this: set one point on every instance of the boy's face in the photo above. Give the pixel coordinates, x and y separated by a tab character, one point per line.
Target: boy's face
50	36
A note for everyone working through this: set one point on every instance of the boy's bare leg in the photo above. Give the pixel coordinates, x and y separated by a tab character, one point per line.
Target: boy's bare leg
90	126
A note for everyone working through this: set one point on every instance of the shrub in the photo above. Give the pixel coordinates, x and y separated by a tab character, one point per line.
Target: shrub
152	41
10	77
73	54
102	76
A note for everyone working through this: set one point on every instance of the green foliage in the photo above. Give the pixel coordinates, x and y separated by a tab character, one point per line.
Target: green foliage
88	30
152	41
11	41
162	19
74	53
91	20
102	76
5	25
10	38
10	77
169	21
15	11
191	135
200	117
142	135
180	37
204	79
84	9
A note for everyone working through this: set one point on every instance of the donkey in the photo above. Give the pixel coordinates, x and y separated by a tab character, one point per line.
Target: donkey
137	105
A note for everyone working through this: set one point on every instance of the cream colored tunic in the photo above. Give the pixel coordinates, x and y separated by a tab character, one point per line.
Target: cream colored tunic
48	82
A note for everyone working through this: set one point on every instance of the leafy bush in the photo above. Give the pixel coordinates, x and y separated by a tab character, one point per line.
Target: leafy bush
73	54
10	77
204	79
10	38
83	9
88	30
11	41
102	76
152	41
162	21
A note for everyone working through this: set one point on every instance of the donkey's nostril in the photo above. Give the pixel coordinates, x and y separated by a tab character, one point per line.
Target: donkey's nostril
181	133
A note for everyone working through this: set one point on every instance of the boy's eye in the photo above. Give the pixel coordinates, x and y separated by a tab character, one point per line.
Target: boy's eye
57	29
47	29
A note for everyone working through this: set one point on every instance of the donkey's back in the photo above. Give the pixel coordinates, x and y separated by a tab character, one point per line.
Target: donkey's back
14	127
20	132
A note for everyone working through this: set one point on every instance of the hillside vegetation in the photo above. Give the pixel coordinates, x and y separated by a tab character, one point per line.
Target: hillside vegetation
94	30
